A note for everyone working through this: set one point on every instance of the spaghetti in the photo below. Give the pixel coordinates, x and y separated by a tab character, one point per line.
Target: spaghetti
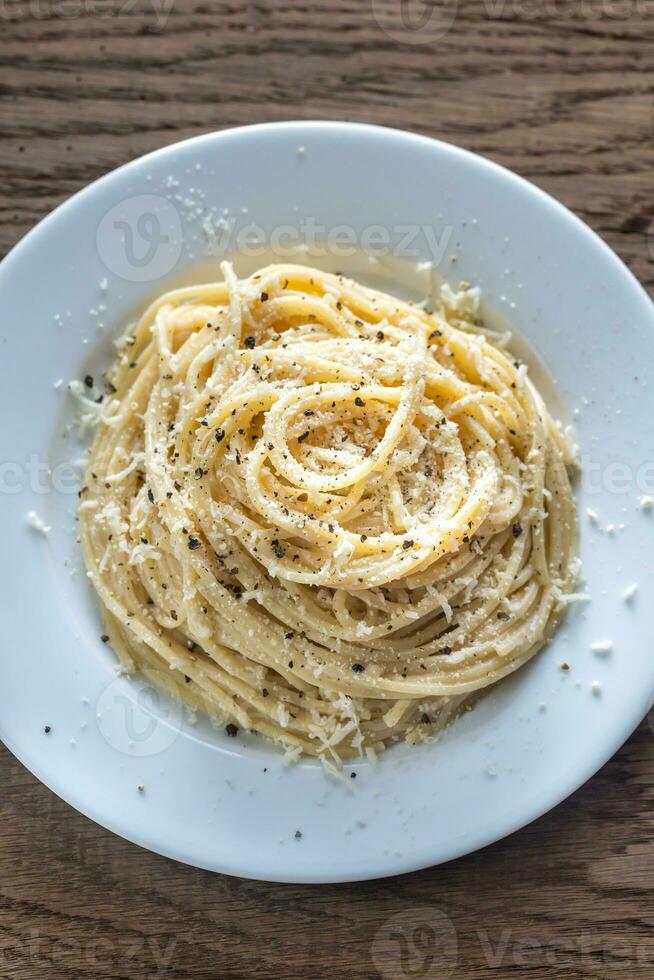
322	514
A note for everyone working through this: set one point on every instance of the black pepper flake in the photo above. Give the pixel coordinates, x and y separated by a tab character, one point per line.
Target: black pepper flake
249	343
359	401
425	720
309	411
298	835
150	496
502	615
445	651
429	471
364	537
516	530
187	679
380	336
407	544
193	544
220	435
303	436
277	549
264	692
198	472
104	638
435	333
231	730
173	615
47	729
264	297
88	380
289	635
358	668
466	538
353	775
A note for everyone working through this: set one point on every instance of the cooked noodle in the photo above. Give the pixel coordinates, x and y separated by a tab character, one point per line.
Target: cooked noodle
317	512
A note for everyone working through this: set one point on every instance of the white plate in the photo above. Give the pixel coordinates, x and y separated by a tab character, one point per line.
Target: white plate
208	800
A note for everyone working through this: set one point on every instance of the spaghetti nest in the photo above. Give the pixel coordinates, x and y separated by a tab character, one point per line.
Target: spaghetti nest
319	513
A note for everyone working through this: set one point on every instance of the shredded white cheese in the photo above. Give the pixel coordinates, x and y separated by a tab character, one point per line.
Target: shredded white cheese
37	523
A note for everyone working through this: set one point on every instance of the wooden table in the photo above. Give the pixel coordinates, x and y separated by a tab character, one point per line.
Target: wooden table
563	93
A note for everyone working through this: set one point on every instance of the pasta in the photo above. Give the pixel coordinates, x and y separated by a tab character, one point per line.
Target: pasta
319	513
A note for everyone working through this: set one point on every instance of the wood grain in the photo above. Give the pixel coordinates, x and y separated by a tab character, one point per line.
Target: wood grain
563	94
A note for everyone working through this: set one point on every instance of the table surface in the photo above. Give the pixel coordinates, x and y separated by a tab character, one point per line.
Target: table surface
561	92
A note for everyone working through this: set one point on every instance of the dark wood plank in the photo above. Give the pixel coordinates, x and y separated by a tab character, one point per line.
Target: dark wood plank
561	93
